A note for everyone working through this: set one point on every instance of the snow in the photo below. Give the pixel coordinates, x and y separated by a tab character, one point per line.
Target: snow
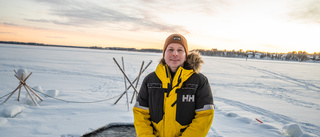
38	88
52	93
22	73
283	95
11	111
3	121
293	130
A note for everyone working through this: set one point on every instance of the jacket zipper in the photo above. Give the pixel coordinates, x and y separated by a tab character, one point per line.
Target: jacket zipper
171	79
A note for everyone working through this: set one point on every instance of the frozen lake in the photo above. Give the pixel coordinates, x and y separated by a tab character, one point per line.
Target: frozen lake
277	93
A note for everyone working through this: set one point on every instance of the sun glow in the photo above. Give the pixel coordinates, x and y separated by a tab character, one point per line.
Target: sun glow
248	25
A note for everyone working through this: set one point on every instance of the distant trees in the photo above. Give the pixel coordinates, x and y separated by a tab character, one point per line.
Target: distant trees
293	56
151	50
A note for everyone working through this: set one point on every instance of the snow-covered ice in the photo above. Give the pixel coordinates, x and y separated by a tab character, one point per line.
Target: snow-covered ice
3	121
52	93
259	98
38	88
11	111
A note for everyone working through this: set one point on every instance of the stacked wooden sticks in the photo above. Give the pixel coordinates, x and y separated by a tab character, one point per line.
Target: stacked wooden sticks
22	79
131	83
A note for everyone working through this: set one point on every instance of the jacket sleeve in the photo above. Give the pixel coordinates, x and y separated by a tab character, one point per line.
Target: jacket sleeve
201	123
141	113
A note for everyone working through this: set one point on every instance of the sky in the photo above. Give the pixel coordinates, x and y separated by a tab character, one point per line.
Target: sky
263	25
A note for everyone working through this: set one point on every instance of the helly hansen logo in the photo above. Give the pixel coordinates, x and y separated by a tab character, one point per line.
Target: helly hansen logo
187	98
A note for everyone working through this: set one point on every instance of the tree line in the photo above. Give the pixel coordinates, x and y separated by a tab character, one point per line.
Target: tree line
292	56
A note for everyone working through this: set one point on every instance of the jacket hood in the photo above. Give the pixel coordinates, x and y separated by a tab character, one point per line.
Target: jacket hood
194	61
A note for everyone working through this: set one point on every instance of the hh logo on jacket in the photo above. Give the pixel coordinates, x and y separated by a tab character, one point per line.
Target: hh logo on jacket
187	98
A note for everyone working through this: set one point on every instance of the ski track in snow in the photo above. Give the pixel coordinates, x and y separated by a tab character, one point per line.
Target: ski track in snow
277	92
288	79
40	69
276	117
215	133
281	93
282	77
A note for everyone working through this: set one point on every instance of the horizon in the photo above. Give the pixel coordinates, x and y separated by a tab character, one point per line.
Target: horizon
46	44
266	26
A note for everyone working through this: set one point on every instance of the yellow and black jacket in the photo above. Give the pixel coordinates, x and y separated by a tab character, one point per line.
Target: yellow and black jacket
168	106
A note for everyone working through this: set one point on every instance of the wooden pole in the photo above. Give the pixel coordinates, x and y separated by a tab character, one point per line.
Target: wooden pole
22	80
125	83
19	93
35	103
133	82
20	89
125	75
137	81
33	92
23	83
12	93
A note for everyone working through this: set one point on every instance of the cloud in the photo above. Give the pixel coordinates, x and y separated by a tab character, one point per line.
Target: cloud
307	10
89	14
120	15
56	37
56	2
9	24
38	20
5	32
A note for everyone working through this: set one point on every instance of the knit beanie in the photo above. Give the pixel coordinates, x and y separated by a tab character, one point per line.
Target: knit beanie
176	38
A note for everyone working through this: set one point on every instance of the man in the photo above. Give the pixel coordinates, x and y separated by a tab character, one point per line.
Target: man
176	99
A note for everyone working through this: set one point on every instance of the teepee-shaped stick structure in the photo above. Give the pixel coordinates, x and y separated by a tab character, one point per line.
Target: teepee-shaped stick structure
22	76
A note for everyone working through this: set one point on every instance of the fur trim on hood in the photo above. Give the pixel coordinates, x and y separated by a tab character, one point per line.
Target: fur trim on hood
194	61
